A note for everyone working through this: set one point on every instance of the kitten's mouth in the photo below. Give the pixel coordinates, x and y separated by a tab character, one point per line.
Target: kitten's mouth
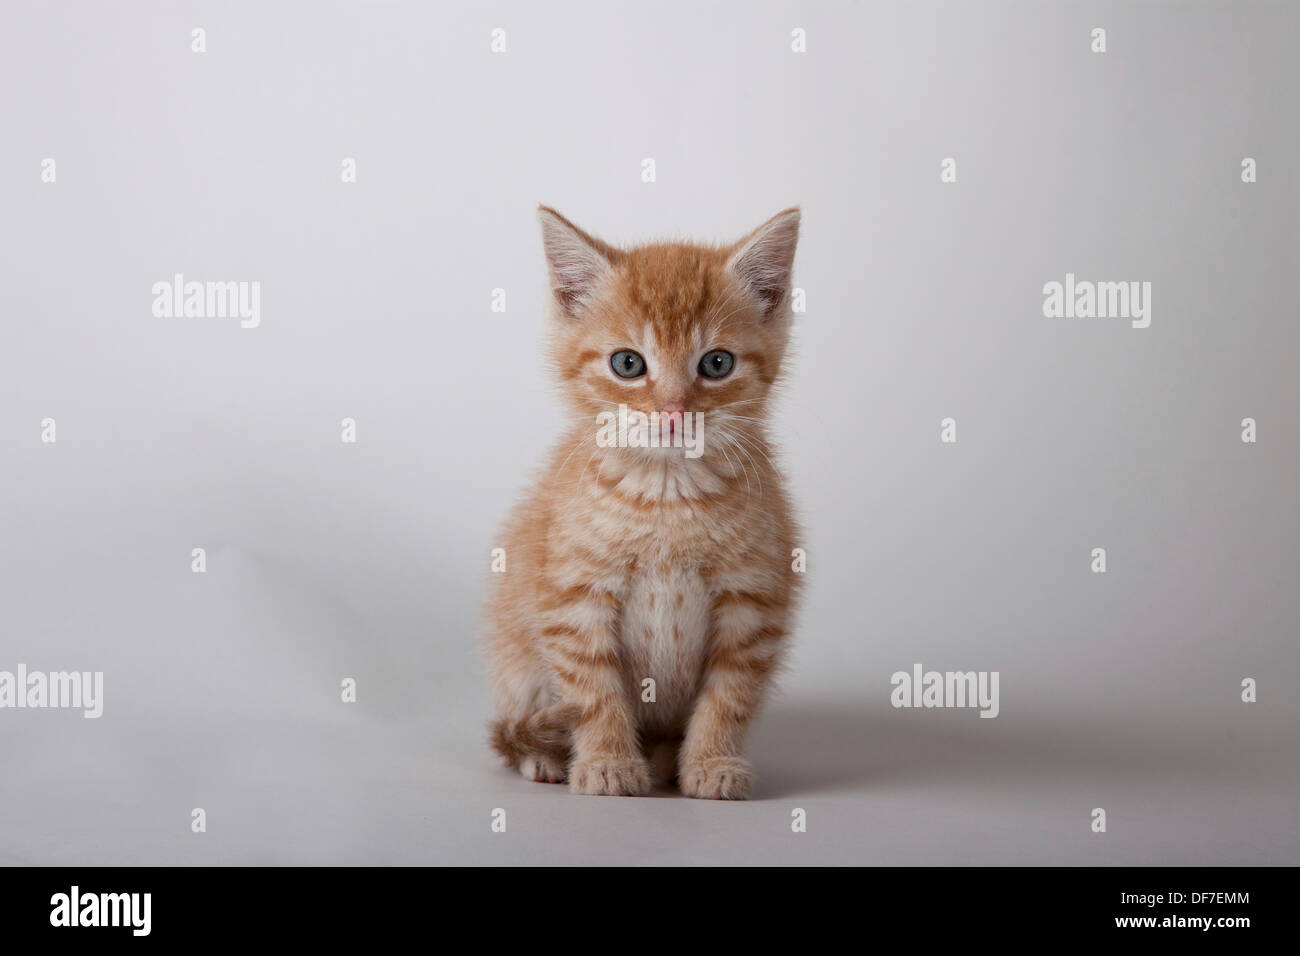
669	423
651	429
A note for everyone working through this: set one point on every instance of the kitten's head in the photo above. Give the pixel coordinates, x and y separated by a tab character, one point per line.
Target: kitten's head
671	327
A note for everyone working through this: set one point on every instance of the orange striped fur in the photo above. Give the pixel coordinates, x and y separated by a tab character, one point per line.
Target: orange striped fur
627	564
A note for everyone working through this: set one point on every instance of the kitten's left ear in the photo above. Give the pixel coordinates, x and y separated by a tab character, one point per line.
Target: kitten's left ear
763	259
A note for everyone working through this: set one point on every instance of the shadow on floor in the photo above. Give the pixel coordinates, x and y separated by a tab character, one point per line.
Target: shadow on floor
812	747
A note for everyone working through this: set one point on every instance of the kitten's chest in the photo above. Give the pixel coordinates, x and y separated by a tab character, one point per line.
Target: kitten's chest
664	638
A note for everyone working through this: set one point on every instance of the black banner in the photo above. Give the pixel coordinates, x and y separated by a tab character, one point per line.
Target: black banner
1165	905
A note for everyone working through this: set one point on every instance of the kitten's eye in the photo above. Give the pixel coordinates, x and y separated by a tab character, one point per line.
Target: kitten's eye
717	364
627	364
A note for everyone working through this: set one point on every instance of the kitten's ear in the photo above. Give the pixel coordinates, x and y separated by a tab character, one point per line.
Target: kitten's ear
576	261
764	258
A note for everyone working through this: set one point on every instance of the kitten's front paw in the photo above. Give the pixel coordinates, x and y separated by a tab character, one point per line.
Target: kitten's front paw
610	776
716	778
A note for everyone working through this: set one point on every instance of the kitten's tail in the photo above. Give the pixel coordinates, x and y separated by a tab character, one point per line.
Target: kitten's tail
544	733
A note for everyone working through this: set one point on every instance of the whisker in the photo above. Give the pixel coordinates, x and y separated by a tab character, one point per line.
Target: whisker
583	473
723	448
729	435
578	444
757	446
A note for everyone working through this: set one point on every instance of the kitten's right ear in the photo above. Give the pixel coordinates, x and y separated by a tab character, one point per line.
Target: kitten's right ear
576	261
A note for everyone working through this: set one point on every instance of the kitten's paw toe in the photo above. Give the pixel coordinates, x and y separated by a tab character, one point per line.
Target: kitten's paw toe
610	776
541	770
716	778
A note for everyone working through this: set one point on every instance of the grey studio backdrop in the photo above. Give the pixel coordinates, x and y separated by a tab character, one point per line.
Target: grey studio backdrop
329	560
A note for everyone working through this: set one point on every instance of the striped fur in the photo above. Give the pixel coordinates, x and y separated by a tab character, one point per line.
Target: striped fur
628	564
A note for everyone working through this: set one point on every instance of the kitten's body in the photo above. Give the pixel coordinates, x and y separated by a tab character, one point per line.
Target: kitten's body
630	563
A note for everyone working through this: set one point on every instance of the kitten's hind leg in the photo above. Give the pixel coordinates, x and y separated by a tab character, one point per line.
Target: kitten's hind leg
540	768
538	745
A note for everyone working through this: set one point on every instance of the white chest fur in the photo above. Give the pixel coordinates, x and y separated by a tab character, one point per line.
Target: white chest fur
664	638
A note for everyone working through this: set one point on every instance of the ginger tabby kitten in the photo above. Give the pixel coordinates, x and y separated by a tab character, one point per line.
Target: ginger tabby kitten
635	563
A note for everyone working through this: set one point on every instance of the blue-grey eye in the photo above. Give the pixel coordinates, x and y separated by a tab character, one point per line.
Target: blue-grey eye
627	364
717	364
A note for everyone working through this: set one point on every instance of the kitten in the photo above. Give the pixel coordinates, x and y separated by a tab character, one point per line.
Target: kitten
627	565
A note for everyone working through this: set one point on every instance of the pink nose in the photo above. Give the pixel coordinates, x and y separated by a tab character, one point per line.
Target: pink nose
668	410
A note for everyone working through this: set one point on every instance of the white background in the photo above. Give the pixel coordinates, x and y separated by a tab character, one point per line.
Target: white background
328	560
